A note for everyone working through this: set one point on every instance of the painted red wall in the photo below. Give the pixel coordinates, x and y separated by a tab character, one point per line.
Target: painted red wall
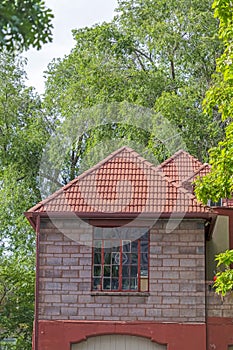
59	335
219	333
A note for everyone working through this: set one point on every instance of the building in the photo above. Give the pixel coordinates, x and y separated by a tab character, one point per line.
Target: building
125	254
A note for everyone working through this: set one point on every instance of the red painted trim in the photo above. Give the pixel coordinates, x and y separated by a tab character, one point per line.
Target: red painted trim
101	215
60	335
220	321
220	333
102	265
139	263
149	246
120	268
120	276
35	333
32	223
227	212
92	265
118	216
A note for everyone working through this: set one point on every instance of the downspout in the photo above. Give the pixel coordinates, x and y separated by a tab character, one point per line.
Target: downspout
36	316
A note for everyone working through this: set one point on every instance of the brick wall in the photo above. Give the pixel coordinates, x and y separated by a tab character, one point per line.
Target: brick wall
219	320
177	273
218	306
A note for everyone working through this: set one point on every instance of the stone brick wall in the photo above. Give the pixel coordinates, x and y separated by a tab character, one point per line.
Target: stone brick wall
218	306
177	276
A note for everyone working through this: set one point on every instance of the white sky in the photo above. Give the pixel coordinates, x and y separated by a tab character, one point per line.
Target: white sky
69	14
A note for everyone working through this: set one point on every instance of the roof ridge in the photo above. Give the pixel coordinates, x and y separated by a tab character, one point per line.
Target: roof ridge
179	187
191	196
175	155
195	173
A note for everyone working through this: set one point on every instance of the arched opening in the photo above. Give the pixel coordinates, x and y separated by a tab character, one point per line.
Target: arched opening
117	342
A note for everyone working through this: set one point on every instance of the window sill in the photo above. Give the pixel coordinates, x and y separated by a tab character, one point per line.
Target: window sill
134	294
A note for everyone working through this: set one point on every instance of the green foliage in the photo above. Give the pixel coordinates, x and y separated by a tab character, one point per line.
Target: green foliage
23	132
184	109
218	184
158	55
100	69
224	279
17	300
24	23
86	138
178	34
220	95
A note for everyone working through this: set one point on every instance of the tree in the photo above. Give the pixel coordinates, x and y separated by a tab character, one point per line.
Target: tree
158	55
181	37
224	278
176	34
219	182
17	299
23	131
24	23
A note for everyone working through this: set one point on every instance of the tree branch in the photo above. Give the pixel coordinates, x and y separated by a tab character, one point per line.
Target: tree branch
144	55
140	62
172	69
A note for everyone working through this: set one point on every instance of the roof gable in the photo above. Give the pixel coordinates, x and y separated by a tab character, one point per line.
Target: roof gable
180	167
126	183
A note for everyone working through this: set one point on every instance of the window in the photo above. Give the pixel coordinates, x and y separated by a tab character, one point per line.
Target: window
120	259
210	203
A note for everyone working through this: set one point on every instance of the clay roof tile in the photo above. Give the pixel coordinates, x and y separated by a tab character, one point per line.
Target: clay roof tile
125	182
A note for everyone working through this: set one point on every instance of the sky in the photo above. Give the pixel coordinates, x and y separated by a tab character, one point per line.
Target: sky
69	14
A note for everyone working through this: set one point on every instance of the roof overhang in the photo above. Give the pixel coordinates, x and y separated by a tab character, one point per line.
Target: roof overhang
210	217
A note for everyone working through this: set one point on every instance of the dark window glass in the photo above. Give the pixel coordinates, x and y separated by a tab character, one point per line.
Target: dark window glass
120	259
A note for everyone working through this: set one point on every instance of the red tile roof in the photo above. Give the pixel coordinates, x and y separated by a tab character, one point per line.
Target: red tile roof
183	169
180	166
126	183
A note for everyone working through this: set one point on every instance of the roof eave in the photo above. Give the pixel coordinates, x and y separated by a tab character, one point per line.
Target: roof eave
31	216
